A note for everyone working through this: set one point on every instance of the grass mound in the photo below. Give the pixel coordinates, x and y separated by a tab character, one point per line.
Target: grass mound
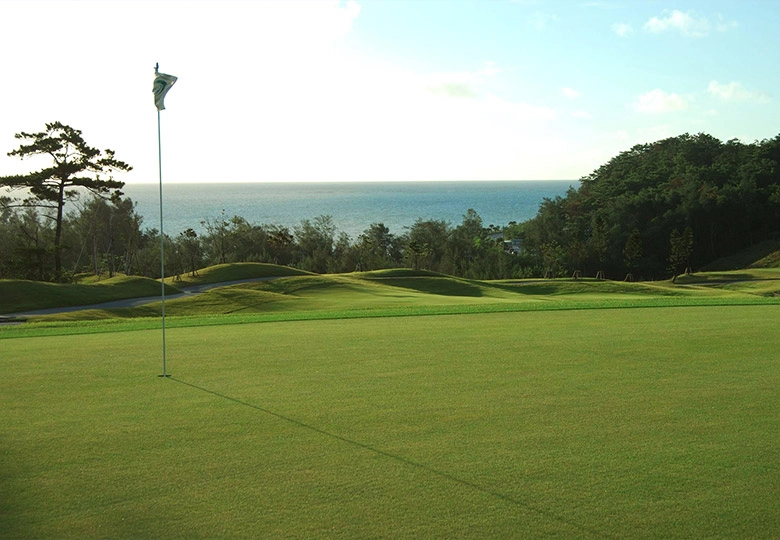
759	281
762	255
396	273
20	295
222	273
404	293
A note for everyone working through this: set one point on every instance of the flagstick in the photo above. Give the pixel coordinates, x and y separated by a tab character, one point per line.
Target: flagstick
162	83
162	244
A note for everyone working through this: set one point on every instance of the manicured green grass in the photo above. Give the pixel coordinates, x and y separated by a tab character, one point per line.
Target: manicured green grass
745	274
758	281
405	292
629	423
20	295
397	288
232	272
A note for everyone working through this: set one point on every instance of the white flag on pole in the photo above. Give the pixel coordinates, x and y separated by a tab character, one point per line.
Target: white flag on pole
162	83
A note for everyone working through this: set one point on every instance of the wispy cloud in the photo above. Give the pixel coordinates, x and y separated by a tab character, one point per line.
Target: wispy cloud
684	22
657	102
491	68
582	115
734	91
455	90
723	25
461	84
622	29
571	93
687	23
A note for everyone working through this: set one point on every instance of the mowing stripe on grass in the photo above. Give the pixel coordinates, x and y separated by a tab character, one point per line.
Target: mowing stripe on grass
406	461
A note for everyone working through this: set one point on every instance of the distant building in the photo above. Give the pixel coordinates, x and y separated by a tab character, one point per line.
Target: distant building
513	246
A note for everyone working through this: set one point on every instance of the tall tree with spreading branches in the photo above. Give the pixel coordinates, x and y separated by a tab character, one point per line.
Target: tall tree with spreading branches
76	164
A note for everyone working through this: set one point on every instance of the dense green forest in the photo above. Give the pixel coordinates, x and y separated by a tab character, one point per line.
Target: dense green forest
649	213
659	208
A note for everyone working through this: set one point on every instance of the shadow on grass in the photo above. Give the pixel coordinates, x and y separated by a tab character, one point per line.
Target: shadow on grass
436	285
442	474
533	288
714	277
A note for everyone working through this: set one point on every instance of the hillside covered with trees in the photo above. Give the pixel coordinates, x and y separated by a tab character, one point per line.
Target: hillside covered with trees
649	213
661	207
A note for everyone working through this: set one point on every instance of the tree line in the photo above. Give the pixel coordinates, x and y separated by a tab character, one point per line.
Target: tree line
660	208
105	236
649	213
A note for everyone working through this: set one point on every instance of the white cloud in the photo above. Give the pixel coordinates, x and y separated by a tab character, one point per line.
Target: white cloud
622	29
684	22
461	84
571	93
657	101
491	69
723	25
453	89
244	68
582	115
734	91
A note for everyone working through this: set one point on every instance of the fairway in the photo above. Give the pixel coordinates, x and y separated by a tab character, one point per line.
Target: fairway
620	423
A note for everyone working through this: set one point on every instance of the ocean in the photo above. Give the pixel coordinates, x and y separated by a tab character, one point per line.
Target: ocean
354	206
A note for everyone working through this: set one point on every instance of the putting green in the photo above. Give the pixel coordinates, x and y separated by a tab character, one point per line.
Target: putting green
631	423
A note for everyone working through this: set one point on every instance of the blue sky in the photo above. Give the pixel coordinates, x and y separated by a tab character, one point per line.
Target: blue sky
366	90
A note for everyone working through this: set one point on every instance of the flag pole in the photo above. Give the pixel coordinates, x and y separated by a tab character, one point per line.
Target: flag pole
162	245
162	83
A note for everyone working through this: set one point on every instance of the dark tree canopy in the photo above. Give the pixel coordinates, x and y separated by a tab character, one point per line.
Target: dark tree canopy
725	194
74	164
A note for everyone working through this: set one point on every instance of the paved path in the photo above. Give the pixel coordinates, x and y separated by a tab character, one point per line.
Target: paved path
129	302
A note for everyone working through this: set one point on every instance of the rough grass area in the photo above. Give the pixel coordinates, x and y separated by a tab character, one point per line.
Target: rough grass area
762	255
630	423
19	295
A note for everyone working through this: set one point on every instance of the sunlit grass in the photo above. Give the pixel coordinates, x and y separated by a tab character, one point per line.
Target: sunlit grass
221	273
404	293
625	423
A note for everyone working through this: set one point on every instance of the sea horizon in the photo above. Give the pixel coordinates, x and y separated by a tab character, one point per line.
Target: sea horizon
174	182
354	206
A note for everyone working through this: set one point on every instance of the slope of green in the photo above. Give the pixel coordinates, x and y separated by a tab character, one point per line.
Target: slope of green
759	281
20	295
234	271
762	255
631	423
368	294
769	261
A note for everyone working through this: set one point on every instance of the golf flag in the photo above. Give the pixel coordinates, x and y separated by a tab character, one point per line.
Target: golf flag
162	83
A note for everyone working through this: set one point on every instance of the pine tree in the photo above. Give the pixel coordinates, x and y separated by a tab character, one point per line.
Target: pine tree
76	164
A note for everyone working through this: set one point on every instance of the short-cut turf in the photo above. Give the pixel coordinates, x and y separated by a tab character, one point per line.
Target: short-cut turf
404	292
630	423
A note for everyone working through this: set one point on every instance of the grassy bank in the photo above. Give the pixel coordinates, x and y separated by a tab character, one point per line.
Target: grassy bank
404	292
20	295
